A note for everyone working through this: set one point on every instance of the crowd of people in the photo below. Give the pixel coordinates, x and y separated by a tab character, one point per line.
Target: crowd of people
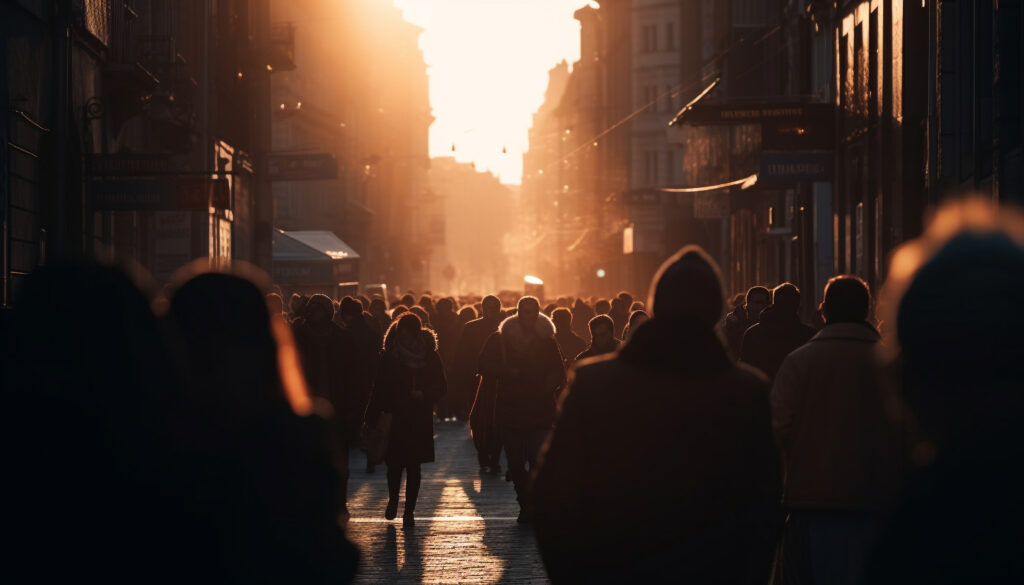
207	430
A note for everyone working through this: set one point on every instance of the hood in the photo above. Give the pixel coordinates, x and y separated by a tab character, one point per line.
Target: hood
511	330
427	335
686	346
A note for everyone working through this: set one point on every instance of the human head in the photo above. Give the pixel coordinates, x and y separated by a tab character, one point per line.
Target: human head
757	300
847	299
378	306
528	310
445	305
421	313
491	307
625	298
786	298
687	286
350	309
602	331
319	309
275	303
562	318
602	307
637	318
467	313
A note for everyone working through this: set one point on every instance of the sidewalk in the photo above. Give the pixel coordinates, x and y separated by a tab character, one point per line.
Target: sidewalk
466	530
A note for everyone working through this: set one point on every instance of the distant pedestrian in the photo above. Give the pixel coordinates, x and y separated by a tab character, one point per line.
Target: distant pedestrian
569	343
410	380
524	360
841	451
778	332
677	483
328	355
602	338
744	317
477	393
636	319
582	313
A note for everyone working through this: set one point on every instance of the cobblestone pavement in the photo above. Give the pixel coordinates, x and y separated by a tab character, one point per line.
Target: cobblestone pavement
466	530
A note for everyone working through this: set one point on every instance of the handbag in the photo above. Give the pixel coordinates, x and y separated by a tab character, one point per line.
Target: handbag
375	437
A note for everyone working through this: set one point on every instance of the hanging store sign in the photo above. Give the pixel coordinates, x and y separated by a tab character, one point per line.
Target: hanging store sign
129	165
302	167
810	166
171	194
707	114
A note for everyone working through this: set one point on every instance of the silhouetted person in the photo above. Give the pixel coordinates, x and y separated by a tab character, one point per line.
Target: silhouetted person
523	358
379	310
841	451
328	355
582	313
620	312
680	483
364	361
744	317
778	331
602	338
296	307
445	324
90	490
257	464
478	391
636	319
410	380
427	302
275	304
602	307
961	519
569	343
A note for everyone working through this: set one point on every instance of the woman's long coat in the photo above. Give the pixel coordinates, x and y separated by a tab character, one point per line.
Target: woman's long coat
412	426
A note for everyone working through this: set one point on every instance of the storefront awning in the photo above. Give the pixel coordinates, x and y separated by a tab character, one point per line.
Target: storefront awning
678	118
312	257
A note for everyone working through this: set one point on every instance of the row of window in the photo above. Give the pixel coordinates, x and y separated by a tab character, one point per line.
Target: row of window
657	173
658	101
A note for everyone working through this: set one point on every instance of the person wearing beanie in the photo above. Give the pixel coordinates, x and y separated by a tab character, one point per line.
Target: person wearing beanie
328	355
687	487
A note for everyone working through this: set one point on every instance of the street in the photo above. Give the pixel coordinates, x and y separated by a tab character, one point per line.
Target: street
466	530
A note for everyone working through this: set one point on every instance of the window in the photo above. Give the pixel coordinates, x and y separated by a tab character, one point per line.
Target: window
651	167
649	38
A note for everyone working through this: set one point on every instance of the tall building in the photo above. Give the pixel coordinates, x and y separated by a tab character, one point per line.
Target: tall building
132	131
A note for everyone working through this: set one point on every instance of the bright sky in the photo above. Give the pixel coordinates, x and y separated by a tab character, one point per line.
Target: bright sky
489	62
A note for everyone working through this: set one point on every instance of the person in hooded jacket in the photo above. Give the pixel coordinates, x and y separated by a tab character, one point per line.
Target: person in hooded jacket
602	338
524	360
778	332
686	488
410	381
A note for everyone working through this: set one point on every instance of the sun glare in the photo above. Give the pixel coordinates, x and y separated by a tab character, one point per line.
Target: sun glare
488	62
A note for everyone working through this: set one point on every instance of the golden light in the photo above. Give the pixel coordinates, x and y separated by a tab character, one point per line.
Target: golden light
490	78
531	279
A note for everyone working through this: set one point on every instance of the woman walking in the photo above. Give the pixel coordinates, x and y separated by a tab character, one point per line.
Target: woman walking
410	380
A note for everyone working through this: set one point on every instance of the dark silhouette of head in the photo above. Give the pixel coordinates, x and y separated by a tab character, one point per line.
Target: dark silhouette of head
406	328
687	286
602	331
602	307
467	314
626	298
350	310
420	312
636	318
847	299
445	305
786	298
756	300
637	306
491	306
319	309
275	303
427	303
528	310
407	299
562	318
378	306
